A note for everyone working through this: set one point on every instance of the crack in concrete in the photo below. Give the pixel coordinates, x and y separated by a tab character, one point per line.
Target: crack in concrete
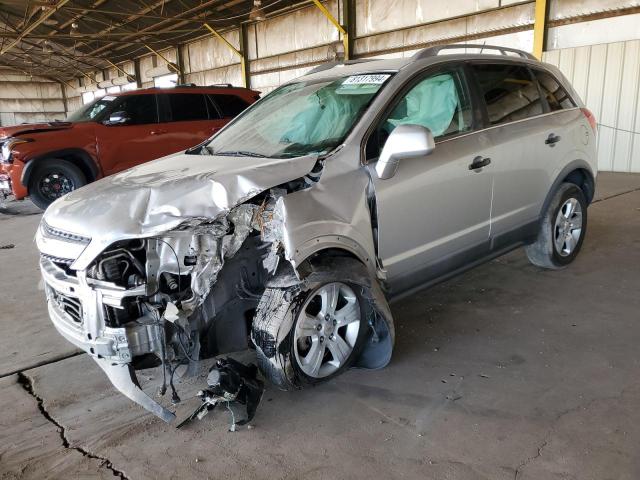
616	195
57	359
558	417
27	383
531	459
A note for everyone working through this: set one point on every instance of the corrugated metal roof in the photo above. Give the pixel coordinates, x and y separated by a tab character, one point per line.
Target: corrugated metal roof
62	38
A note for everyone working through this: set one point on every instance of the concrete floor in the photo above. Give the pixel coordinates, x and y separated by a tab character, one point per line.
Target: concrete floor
505	372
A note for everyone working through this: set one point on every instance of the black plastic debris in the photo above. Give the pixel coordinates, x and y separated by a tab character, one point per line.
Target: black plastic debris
230	384
7	246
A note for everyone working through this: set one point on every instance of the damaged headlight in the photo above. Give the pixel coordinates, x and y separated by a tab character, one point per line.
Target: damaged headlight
8	145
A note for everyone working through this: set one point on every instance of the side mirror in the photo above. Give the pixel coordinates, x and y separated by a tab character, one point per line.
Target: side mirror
406	141
118	118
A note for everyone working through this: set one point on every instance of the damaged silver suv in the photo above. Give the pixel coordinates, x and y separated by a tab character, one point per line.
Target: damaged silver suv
291	229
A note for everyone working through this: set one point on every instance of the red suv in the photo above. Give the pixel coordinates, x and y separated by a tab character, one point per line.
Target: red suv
115	132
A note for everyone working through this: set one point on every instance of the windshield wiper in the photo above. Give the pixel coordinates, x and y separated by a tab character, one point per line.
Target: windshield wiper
240	153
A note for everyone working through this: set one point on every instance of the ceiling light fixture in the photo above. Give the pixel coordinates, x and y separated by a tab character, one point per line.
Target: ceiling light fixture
257	12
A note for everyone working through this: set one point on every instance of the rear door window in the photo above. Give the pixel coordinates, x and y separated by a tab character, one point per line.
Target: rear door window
557	97
229	105
186	107
141	109
509	92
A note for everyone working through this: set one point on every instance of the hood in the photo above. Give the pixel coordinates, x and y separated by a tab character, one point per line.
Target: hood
33	128
157	196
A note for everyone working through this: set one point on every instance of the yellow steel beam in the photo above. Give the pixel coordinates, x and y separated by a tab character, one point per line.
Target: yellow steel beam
539	28
213	30
243	58
93	80
170	64
336	23
129	77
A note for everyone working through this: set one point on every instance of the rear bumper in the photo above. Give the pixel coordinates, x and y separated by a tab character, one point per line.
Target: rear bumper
10	184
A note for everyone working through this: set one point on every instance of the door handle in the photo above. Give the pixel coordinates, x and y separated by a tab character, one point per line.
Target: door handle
552	139
479	162
158	132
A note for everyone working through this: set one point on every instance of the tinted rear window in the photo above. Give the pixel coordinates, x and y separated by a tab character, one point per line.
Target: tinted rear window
556	96
187	106
229	105
509	92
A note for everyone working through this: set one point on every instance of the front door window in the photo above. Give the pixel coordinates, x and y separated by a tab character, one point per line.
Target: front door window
439	102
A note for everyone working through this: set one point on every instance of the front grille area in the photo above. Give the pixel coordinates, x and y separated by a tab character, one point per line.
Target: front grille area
58	260
70	305
62	235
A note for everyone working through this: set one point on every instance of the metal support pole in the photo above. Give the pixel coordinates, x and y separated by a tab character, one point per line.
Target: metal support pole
540	28
349	20
240	53
180	62
62	84
336	23
136	69
244	60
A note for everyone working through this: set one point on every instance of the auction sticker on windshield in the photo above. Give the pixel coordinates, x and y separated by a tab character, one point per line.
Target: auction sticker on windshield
366	79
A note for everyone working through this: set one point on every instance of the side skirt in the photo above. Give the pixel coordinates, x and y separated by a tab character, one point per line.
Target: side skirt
460	262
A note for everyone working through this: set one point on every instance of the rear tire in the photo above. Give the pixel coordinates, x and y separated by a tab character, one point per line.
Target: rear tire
53	179
562	229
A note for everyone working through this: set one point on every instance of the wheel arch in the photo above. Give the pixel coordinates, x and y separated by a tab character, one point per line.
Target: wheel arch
315	249
77	156
578	172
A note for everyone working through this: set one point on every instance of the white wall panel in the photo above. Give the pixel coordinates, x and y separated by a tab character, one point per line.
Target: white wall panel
211	52
605	30
483	24
298	30
607	77
375	16
25	99
572	8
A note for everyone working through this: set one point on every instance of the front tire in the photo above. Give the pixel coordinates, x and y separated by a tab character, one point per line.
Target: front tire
562	229
310	335
53	179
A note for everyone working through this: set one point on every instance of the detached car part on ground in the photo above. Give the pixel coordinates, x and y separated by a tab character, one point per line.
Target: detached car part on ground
291	228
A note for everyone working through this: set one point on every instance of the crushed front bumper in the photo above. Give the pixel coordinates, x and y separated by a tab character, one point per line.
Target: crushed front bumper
76	310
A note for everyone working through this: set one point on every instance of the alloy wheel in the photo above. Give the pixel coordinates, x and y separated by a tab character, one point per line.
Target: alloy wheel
327	329
568	227
54	185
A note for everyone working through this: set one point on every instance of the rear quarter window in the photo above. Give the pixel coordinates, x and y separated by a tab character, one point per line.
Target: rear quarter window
229	105
509	92
557	97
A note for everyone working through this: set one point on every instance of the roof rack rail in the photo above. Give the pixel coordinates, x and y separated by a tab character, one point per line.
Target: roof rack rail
335	63
434	51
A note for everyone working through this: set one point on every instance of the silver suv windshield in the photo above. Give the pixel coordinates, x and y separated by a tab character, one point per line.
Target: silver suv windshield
302	118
